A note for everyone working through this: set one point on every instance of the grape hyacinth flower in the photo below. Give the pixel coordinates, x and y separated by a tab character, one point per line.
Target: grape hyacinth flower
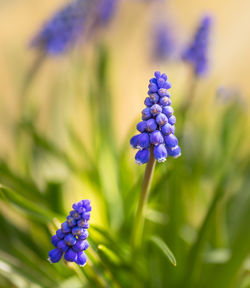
155	141
63	30
157	127
70	239
69	24
105	10
164	42
196	53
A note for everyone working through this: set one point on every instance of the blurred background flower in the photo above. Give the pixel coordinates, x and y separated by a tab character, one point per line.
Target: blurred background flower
197	53
164	42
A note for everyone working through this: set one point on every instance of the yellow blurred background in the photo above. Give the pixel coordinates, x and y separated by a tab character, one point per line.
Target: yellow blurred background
131	67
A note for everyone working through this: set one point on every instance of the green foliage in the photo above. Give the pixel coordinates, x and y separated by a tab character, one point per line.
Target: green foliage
199	204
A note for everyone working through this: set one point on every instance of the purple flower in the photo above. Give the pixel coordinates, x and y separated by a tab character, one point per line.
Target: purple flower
105	10
142	156
157	128
151	125
70	256
156	137
63	30
81	245
70	240
69	24
81	258
197	53
174	152
143	141
160	153
55	255
164	42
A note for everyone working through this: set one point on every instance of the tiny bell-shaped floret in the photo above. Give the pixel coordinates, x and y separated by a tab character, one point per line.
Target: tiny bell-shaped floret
70	256
60	234
146	114
141	126
55	255
143	141
172	120
161	119
152	87
148	102
168	111
86	216
81	245
134	141
84	234
70	240
151	125
82	223
154	98
62	246
71	221
65	227
156	138
165	101
160	153
54	240
81	258
155	109
171	140
142	156
75	215
167	129
174	152
77	231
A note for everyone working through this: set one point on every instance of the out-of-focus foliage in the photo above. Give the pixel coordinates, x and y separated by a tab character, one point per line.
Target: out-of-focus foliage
198	213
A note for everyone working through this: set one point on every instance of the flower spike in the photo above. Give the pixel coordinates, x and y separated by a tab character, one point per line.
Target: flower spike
196	53
157	126
70	240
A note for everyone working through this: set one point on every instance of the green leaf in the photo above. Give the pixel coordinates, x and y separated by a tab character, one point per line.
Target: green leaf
30	208
110	186
164	248
104	250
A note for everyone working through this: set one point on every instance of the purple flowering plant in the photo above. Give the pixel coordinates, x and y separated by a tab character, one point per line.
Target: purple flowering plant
197	52
70	240
126	241
157	128
156	140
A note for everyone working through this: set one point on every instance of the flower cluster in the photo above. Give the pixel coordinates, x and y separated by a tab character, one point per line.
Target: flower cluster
106	10
164	42
71	23
70	240
157	126
196	54
63	30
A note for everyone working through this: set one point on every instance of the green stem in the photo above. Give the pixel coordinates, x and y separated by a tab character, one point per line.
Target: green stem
189	99
32	73
139	219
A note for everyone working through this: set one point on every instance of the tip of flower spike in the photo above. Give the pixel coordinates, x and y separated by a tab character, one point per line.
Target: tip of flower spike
207	19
